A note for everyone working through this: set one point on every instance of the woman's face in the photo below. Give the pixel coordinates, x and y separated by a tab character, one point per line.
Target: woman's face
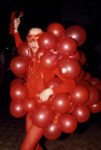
32	38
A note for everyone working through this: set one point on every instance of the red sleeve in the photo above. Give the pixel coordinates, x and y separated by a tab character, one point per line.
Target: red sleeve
18	39
66	86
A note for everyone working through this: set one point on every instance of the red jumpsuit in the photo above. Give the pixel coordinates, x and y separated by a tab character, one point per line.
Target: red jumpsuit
37	77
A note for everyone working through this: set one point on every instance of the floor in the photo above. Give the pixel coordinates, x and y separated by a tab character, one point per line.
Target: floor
86	137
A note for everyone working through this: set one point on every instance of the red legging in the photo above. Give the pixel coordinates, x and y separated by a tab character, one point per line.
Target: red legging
33	136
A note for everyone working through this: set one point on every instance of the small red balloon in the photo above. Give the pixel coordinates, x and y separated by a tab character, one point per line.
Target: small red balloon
61	103
81	113
47	41
79	95
56	29
66	46
87	76
76	55
42	116
81	76
82	58
24	50
52	132
16	109
18	92
17	81
96	108
29	104
19	65
67	123
69	68
49	60
78	33
94	95
95	81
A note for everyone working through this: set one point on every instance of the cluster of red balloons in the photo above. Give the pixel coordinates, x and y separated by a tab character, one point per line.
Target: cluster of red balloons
58	49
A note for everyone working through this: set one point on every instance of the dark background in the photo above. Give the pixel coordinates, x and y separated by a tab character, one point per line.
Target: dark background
40	14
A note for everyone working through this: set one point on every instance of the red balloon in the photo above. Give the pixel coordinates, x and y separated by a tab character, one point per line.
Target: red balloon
72	108
42	116
47	41
95	81
19	65
96	108
94	95
24	50
53	82
87	76
77	33
16	109
82	58
56	29
29	104
79	95
18	92
52	132
98	86
17	81
49	60
81	76
69	68
84	83
76	55
66	46
61	103
67	123
81	113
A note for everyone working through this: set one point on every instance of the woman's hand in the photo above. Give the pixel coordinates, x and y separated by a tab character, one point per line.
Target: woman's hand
16	24
44	95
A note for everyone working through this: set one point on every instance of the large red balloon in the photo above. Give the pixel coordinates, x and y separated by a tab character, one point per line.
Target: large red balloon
19	65
49	60
66	46
29	104
61	103
56	29
42	116
47	41
52	132
67	123
81	113
24	50
79	95
77	33
16	109
96	108
94	95
18	92
69	68
53	82
17	81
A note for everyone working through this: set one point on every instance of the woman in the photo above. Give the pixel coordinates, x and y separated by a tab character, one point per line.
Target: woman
36	79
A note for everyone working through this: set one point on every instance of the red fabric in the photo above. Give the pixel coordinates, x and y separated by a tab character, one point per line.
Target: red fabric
18	39
11	26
